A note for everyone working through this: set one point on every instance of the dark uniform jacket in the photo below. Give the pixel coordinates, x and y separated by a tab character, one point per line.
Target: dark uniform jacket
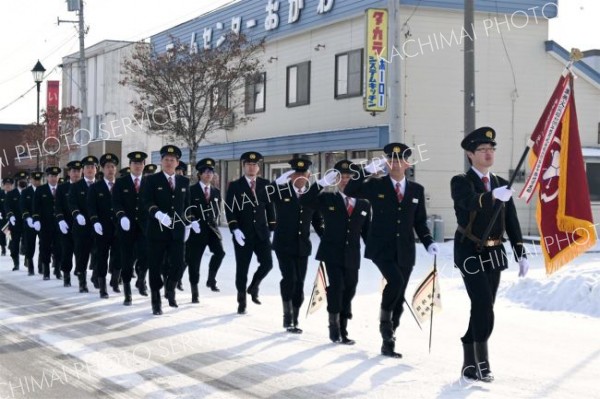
471	198
77	200
340	243
254	217
43	208
100	210
3	219
27	203
61	204
391	236
205	213
127	202
12	207
157	196
292	235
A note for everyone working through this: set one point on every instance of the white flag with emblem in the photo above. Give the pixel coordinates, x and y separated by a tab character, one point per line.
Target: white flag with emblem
319	292
426	297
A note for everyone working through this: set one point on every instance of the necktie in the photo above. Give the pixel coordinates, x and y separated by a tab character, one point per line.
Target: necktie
253	187
53	191
399	193
485	181
89	183
207	194
349	206
171	183
136	184
110	186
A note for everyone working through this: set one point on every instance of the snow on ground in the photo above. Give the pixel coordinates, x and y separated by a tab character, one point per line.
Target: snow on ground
545	342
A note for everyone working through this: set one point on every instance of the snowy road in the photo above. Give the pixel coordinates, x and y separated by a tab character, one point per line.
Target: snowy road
57	343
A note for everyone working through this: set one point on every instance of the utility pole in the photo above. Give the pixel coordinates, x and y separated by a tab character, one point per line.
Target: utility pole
77	5
469	72
396	122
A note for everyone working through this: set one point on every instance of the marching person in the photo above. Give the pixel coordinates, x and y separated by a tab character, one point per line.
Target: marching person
102	218
206	207
482	259
82	228
166	197
65	220
7	185
291	239
44	222
29	233
398	207
346	220
14	215
150	169
132	220
250	222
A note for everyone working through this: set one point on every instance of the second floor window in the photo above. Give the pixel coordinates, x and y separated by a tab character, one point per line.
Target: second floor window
298	84
256	86
349	74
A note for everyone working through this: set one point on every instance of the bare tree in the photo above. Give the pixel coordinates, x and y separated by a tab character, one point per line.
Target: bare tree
186	94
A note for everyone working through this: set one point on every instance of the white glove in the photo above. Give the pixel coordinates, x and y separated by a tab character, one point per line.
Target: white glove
374	166
37	226
284	178
433	249
195	226
80	220
163	218
98	228
29	222
523	267
0	215
502	193
330	179
63	226
125	224
186	235
239	237
12	220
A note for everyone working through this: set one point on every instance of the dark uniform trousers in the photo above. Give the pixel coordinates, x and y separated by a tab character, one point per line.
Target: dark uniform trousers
340	247
13	208
3	221
291	240
43	212
255	218
99	201
163	241
206	213
29	234
62	212
133	243
481	270
391	240
82	235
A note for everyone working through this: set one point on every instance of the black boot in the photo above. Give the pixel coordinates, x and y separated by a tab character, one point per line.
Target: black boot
194	288
95	280
287	314
57	273
102	285
67	280
241	298
140	284
253	291
127	294
213	286
170	293
334	327
4	250
15	263
482	361
469	369
114	280
344	331
40	266
82	276
156	305
387	334
180	285
294	329
30	271
46	270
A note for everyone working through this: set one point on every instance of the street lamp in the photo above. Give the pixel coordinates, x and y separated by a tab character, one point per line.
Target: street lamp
38	76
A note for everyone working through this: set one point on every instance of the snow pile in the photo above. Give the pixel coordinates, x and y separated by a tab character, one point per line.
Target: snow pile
576	288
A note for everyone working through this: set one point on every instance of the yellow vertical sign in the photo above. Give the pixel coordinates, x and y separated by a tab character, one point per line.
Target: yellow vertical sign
376	68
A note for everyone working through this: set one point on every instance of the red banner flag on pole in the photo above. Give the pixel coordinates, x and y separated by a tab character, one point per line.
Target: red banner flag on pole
564	212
